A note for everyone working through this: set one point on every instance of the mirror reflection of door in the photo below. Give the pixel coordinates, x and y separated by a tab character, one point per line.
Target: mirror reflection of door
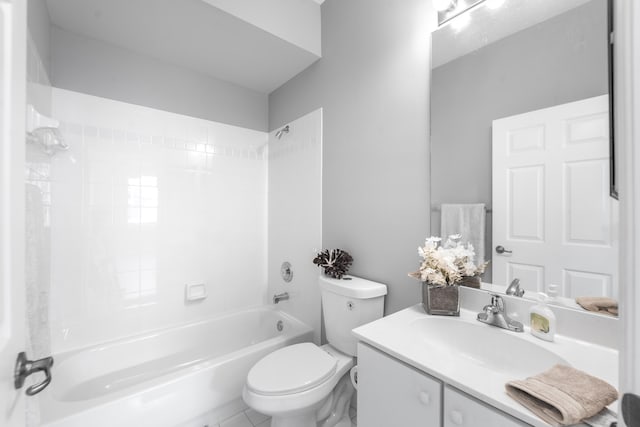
552	210
525	56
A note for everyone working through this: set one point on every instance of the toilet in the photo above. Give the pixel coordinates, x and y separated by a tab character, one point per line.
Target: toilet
304	385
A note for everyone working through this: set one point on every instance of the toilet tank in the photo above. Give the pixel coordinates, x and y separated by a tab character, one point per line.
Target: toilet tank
346	304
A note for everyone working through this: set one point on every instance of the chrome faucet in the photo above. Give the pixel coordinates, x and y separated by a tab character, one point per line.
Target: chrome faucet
280	297
494	314
515	289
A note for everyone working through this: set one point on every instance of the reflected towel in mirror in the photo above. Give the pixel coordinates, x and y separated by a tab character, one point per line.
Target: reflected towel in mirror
469	220
601	305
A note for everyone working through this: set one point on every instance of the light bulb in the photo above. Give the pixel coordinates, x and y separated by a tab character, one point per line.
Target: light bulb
494	4
460	22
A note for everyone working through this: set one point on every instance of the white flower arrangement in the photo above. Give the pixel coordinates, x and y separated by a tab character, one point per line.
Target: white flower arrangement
447	264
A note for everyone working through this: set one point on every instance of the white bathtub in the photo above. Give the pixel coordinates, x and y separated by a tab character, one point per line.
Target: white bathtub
167	377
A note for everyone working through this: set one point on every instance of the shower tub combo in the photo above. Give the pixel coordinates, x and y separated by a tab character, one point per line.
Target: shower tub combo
169	377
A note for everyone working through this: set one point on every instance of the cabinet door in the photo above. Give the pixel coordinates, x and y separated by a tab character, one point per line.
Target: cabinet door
462	410
391	393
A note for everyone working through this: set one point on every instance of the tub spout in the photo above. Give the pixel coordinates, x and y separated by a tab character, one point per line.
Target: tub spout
280	297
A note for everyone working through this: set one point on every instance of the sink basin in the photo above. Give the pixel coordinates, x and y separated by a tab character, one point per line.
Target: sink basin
483	345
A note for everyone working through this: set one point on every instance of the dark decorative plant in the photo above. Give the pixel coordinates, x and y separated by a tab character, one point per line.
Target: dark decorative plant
335	262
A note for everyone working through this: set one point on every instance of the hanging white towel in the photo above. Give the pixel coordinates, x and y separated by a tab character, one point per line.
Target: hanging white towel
467	220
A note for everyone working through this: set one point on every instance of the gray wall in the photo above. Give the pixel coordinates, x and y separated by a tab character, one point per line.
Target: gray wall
373	85
90	66
561	60
39	25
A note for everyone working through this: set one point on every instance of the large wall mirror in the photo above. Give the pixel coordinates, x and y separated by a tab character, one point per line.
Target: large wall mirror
520	122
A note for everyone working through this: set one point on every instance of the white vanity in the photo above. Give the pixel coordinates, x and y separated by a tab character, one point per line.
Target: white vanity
421	370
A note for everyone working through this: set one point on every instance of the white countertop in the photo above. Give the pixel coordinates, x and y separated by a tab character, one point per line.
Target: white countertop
394	336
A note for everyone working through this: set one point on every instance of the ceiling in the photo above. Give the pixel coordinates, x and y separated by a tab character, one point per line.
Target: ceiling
192	34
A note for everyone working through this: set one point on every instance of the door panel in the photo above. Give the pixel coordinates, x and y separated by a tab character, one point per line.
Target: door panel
586	190
531	276
461	410
391	393
526	203
551	203
579	283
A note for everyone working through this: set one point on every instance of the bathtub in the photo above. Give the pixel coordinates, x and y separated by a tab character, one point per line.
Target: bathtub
168	377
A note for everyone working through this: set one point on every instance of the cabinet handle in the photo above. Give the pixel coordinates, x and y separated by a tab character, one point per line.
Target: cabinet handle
424	397
456	417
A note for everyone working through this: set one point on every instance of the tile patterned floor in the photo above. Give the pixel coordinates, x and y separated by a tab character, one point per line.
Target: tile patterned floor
251	418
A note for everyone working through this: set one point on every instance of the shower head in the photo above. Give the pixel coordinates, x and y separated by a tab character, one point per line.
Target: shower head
282	131
49	138
44	131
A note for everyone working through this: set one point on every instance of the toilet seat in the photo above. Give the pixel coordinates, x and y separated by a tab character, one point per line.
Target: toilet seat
291	370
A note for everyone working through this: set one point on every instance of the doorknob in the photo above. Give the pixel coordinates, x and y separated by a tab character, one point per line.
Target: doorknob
502	250
25	367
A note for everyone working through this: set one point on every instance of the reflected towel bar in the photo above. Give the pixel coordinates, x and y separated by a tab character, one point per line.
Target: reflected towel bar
438	209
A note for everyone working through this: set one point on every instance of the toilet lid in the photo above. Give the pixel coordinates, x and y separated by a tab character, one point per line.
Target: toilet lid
291	369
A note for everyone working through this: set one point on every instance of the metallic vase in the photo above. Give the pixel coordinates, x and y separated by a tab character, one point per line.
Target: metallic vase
441	300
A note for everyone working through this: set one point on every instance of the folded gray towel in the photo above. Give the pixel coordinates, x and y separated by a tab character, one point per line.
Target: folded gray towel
562	395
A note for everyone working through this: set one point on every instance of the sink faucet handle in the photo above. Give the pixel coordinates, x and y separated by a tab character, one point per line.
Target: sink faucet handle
514	288
490	309
494	314
497	302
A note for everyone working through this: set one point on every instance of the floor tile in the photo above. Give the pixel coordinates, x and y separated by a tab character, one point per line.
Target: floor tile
239	420
255	417
265	423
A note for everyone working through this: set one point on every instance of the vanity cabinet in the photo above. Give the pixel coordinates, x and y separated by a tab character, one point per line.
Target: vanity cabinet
461	410
392	393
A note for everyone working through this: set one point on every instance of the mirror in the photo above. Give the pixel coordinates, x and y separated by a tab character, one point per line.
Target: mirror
519	93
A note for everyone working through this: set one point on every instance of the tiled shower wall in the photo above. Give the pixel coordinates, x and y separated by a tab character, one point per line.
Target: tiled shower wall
144	203
295	216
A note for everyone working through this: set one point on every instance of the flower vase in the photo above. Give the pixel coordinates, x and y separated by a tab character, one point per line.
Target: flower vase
441	300
470	282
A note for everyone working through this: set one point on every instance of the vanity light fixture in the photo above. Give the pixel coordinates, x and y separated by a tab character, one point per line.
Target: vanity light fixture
449	9
494	4
444	5
461	22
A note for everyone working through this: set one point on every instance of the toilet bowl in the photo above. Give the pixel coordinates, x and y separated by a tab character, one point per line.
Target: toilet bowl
294	384
304	385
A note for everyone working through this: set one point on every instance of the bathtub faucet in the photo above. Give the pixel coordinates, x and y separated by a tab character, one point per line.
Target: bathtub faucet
280	297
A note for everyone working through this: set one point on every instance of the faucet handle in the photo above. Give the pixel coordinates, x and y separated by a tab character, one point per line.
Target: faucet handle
514	288
490	309
497	302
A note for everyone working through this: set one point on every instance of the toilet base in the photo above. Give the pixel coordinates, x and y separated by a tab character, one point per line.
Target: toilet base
334	412
340	401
